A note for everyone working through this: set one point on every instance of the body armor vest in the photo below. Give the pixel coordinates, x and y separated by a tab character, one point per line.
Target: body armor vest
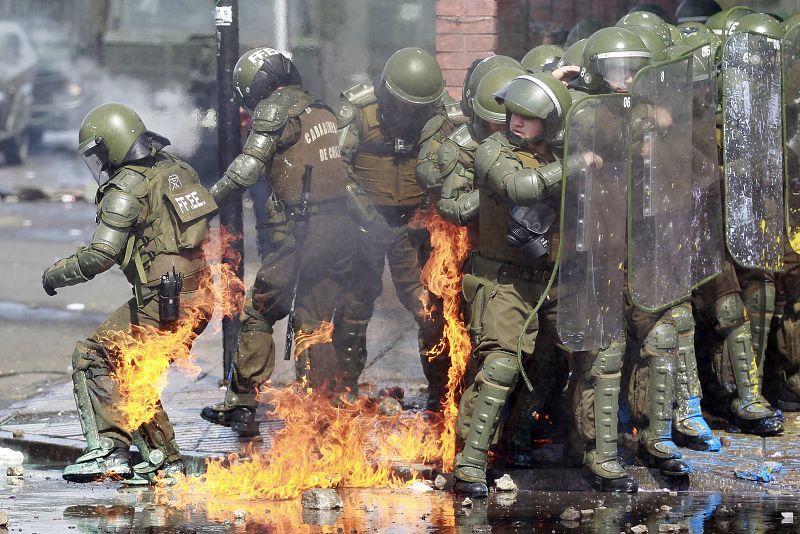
317	145
173	222
493	214
385	170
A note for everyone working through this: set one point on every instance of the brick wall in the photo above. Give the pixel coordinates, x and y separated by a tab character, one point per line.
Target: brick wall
471	29
465	30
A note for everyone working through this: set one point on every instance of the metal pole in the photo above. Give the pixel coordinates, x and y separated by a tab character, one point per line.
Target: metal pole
226	19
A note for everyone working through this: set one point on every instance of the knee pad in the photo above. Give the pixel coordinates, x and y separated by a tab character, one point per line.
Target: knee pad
609	361
762	300
683	318
730	312
500	369
662	339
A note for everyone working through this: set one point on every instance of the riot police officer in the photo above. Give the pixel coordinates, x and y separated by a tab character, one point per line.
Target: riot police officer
146	226
510	271
379	131
292	130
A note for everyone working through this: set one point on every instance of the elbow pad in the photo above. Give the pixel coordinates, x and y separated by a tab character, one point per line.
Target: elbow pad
523	186
243	172
460	210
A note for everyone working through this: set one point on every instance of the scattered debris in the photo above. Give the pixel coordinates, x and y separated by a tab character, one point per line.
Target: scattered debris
570	514
15	471
725	440
776	454
321	499
505	483
239	514
787	517
639	529
419	487
390	407
439	482
765	473
665	508
467	502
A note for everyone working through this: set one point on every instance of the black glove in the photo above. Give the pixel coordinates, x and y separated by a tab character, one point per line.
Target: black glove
50	290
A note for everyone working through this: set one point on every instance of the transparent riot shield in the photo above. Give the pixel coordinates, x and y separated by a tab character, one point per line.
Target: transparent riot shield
791	103
592	247
753	150
670	247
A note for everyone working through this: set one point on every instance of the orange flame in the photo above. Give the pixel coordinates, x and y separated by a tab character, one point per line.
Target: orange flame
144	353
363	511
321	446
305	340
442	277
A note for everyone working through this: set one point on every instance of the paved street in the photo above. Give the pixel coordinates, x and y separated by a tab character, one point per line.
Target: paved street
37	413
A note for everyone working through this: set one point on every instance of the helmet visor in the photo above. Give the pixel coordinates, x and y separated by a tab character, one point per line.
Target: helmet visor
619	71
95	154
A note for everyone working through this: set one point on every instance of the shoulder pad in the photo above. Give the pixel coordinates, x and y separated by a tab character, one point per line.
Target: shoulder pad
462	138
345	111
269	116
127	180
454	112
360	95
119	209
293	99
487	154
433	125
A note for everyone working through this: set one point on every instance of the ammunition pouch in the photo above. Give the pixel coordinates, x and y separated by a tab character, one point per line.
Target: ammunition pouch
527	227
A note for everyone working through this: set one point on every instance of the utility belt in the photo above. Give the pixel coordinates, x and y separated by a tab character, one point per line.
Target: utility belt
191	282
397	146
293	212
494	269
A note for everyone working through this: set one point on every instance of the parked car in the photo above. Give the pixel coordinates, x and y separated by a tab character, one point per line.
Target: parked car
17	66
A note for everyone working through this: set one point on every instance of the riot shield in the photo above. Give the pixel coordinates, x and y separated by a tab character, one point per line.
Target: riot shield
592	246
791	103
753	150
673	244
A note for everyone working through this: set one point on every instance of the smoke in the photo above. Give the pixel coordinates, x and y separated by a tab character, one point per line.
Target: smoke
166	110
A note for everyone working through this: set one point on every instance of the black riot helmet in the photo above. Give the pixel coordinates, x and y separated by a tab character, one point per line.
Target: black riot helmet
259	72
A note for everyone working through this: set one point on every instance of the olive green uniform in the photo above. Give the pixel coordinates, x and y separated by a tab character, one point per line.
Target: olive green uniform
152	217
381	157
501	290
291	128
734	344
783	367
435	132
